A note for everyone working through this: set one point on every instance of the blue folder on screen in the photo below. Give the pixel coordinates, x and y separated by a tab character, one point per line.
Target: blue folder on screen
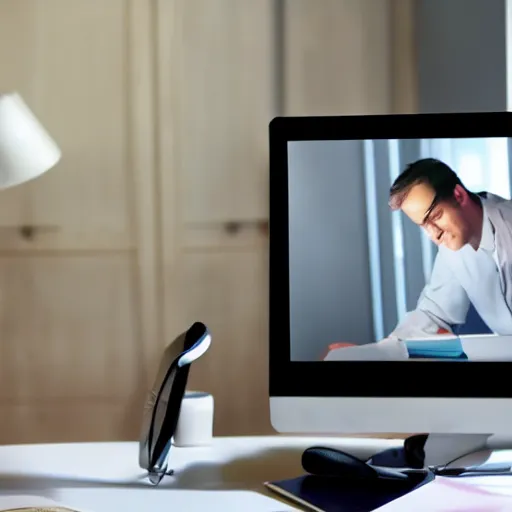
441	348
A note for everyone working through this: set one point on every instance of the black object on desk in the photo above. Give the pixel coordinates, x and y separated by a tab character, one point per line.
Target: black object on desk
338	482
163	404
323	461
411	455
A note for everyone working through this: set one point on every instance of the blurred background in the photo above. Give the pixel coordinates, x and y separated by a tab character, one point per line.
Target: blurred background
156	216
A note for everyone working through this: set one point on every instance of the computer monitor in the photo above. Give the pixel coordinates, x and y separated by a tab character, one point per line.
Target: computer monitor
373	327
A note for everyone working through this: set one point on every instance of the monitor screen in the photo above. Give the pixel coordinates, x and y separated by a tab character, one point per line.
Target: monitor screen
367	269
391	256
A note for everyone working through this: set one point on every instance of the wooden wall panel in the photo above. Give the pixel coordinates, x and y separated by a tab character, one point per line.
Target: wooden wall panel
216	98
68	327
227	290
161	109
222	66
79	319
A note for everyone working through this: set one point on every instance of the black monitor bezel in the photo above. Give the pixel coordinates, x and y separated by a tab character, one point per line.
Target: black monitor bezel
360	378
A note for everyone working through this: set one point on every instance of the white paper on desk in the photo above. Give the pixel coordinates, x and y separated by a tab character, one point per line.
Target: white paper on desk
385	350
464	494
29	502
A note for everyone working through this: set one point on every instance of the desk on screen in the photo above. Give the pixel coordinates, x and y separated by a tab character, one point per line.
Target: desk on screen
484	347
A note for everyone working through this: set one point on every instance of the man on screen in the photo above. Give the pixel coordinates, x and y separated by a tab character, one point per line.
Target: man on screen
474	260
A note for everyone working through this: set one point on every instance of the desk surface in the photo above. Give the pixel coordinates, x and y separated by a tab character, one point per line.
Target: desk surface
101	477
478	348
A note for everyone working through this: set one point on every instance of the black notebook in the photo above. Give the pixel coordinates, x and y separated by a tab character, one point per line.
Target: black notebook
330	494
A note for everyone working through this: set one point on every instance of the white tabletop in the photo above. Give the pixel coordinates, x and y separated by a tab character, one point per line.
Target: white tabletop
101	477
486	347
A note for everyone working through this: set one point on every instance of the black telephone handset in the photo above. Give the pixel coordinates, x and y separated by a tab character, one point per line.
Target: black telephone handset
323	461
334	464
162	408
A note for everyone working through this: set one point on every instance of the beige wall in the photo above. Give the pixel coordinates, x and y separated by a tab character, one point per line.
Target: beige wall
161	109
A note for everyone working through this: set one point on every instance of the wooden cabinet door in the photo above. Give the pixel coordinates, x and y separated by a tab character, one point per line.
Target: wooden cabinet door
216	62
77	300
69	61
69	353
221	61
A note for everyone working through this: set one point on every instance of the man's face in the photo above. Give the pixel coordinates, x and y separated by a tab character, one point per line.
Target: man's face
446	224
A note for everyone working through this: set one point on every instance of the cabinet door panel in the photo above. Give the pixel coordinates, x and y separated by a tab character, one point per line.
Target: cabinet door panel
222	82
69	61
227	290
216	96
67	422
68	329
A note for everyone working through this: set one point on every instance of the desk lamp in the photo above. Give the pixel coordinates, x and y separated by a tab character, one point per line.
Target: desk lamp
26	149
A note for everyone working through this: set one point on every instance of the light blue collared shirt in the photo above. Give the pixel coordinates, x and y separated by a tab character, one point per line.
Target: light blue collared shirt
459	278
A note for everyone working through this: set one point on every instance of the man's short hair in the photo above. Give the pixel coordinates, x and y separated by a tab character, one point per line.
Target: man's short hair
438	175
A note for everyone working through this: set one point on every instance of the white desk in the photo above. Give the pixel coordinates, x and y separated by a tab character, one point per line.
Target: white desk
477	348
105	477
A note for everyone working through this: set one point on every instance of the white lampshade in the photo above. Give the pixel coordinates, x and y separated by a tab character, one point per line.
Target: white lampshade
26	149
